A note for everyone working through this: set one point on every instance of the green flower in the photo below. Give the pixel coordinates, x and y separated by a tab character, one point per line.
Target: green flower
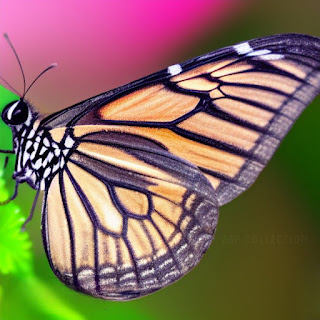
15	254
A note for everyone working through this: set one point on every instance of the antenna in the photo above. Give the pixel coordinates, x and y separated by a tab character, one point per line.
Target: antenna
20	65
23	76
10	86
53	65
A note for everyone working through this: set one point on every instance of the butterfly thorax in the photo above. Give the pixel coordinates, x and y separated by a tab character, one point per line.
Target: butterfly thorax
39	156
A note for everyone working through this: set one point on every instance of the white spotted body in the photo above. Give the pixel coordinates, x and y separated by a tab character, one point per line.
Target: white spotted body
39	157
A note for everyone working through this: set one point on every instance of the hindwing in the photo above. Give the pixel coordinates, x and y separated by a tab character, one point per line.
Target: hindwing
120	222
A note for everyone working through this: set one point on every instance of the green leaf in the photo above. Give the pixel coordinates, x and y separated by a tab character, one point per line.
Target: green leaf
15	254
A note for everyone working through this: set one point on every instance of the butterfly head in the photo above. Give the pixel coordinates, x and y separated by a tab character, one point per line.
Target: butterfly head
16	113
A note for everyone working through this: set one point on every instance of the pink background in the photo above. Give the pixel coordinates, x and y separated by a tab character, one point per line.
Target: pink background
99	45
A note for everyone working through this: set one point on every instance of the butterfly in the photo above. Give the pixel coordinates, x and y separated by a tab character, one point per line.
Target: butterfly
133	178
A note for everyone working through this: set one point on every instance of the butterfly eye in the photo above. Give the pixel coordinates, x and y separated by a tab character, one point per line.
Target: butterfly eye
15	113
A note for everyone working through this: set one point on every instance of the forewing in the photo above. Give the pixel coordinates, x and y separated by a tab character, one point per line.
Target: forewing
120	222
226	112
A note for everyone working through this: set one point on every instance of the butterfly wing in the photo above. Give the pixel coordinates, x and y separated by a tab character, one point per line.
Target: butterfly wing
226	111
125	218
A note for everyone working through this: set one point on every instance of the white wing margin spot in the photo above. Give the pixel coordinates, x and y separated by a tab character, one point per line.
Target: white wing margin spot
244	48
174	69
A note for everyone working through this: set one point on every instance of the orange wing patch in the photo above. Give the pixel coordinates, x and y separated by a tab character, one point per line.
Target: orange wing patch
81	227
57	229
154	103
119	158
200	84
208	126
300	71
270	99
231	68
106	214
263	79
245	112
203	156
134	201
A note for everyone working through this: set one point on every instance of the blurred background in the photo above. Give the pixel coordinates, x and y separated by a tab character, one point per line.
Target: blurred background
265	260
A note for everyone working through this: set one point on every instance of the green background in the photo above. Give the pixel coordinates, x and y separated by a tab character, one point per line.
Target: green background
265	260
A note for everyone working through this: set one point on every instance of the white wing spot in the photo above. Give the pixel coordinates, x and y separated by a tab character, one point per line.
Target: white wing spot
26	157
33	154
174	69
55	145
272	56
43	150
45	162
36	146
50	156
264	54
46	142
69	142
258	52
107	270
47	172
55	167
38	164
62	162
23	133
42	185
33	177
31	134
243	48
28	173
129	275
107	281
85	273
28	144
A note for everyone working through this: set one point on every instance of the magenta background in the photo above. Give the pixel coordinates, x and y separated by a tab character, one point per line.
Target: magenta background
99	45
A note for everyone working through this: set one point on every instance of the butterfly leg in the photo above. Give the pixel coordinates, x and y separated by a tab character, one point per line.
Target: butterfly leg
2	203
23	228
6	162
7	151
